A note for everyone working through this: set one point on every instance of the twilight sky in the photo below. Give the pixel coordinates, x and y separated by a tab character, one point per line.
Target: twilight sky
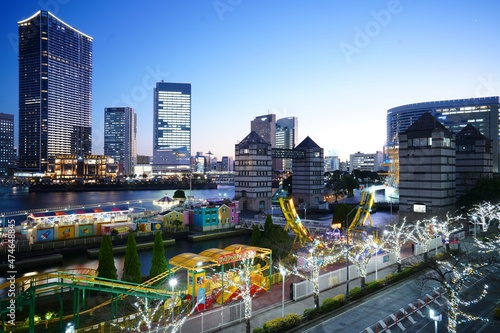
336	65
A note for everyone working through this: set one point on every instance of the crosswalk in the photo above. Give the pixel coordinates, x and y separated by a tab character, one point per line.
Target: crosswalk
407	316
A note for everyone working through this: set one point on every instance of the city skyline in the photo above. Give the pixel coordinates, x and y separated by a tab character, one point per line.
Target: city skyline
336	66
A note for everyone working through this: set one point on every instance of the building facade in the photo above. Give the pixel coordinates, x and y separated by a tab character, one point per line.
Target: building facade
86	169
308	175
366	162
482	113
427	169
286	138
474	159
7	153
172	127
253	173
120	137
55	91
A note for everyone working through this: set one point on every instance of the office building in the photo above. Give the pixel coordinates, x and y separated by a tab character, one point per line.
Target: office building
474	159
482	113
120	138
308	175
253	173
366	162
286	138
427	169
55	91
7	154
265	127
172	127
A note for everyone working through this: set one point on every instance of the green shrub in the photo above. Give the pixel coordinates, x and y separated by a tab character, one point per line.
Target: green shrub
388	278
258	330
497	313
333	303
356	293
281	324
373	286
311	313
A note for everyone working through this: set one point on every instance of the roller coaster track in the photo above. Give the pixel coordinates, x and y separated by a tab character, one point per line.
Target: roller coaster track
27	288
293	223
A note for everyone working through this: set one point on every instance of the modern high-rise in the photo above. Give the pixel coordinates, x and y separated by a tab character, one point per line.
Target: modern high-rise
55	91
265	127
120	137
6	143
482	113
286	138
172	127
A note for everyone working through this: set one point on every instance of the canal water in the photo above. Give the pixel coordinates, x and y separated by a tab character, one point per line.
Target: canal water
22	200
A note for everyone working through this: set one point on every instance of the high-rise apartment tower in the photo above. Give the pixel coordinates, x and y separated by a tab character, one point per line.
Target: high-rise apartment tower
120	137
55	91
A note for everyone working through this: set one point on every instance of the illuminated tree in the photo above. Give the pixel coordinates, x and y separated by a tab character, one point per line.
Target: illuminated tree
241	280
319	256
360	253
453	275
423	232
484	214
394	237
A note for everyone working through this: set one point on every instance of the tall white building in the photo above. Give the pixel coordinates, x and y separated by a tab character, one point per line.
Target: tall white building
172	127
120	137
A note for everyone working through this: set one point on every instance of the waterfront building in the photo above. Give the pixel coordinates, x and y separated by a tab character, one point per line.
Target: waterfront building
87	169
427	169
55	91
366	162
7	152
120	138
215	217
474	159
482	113
253	173
227	164
308	175
172	127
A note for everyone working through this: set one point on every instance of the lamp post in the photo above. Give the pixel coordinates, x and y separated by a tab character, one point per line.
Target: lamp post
474	218
376	261
283	274
347	252
436	317
173	283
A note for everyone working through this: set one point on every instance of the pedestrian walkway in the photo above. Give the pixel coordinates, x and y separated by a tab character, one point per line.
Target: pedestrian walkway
269	305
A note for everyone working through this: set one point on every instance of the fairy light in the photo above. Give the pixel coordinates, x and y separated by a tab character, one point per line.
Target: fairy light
394	237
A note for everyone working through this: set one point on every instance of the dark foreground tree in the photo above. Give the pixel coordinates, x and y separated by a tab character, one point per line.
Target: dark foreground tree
158	261
106	268
132	264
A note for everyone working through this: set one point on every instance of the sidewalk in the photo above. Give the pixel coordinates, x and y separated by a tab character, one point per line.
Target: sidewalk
269	305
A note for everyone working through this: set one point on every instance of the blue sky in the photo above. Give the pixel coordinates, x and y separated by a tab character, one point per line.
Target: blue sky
336	65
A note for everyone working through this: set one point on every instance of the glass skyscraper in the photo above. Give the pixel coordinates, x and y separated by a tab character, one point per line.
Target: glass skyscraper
120	137
55	91
482	113
6	143
172	127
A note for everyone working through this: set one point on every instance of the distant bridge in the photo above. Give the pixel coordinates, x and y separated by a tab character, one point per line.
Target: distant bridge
313	226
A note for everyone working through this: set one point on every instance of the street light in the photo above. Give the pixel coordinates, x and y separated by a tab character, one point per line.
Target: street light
283	274
436	317
474	218
376	262
173	283
347	252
